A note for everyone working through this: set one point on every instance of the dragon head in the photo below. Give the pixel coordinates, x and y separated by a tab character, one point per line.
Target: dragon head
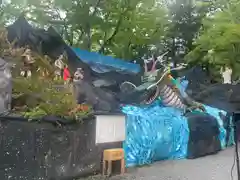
146	93
142	96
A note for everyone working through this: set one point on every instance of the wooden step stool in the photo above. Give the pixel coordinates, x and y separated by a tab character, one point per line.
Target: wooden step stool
110	155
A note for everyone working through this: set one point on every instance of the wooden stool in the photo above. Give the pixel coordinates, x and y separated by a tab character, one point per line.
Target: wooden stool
110	155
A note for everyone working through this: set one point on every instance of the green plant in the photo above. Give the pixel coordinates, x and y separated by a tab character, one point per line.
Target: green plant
39	95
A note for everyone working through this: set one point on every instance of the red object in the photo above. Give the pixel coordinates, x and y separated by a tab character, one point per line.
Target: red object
66	74
83	107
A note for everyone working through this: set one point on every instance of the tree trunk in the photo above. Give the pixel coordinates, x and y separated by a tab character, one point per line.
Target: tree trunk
110	39
173	52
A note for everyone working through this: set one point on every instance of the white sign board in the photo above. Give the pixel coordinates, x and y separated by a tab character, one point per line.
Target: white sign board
110	128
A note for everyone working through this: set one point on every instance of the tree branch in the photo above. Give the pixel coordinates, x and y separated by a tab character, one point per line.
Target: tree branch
109	40
79	38
68	37
88	25
65	28
95	8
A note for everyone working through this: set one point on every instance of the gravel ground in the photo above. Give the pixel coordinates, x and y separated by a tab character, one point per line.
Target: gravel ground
212	167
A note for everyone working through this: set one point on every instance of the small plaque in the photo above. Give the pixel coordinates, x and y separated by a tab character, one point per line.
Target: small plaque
110	128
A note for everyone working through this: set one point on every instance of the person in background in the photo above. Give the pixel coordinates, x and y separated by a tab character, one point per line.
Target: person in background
28	62
59	65
78	75
66	74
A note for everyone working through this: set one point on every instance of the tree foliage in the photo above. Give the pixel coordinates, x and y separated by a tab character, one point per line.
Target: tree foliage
122	28
219	42
130	29
185	19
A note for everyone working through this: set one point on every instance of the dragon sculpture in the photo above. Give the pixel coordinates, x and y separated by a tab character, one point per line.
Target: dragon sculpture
159	84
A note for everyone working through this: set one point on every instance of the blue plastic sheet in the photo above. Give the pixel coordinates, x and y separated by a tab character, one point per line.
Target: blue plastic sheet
102	63
154	133
222	136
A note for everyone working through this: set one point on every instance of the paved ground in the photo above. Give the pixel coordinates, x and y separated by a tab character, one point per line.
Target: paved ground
213	167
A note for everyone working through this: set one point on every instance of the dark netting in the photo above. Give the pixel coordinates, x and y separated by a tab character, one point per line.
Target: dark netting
202	89
221	96
100	99
197	77
203	137
36	151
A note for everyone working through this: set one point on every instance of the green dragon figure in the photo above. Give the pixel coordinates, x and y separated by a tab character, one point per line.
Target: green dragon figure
161	85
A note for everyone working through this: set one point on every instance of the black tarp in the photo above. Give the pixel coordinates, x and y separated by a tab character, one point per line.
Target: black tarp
202	88
203	135
102	100
197	77
222	96
34	151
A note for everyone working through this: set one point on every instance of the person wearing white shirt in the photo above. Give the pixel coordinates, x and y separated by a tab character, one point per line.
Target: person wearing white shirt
226	75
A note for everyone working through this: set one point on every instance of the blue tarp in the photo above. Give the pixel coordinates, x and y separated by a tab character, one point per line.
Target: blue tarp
156	132
222	136
101	63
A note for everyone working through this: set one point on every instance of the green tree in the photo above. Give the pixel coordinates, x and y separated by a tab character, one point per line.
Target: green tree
121	28
219	43
116	27
186	21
